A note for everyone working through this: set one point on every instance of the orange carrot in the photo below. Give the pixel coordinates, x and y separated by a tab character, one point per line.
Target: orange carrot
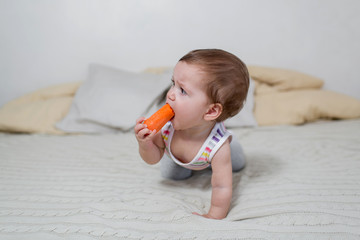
160	118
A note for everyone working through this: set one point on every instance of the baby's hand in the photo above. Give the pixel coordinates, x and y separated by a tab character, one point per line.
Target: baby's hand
142	133
205	215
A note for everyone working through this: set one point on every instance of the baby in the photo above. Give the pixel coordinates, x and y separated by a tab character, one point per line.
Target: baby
208	87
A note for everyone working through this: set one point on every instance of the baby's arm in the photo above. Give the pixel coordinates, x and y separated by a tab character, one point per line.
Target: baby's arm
151	146
221	182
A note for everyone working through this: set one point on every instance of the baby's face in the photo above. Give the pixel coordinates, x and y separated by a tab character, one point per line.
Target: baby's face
187	96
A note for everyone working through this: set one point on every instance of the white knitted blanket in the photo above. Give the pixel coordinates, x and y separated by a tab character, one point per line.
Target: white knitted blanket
300	182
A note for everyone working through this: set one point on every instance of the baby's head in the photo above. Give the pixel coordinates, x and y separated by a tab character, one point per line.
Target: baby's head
228	78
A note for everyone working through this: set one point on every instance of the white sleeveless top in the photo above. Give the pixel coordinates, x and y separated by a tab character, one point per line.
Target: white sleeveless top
202	160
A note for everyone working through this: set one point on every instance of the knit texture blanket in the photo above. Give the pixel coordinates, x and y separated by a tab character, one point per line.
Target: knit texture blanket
300	182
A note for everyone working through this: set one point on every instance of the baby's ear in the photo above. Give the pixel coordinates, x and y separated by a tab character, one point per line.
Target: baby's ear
213	112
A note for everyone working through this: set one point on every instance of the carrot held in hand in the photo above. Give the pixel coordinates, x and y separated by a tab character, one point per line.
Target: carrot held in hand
160	118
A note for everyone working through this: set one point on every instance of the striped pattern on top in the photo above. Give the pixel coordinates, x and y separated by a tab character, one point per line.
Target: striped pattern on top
202	160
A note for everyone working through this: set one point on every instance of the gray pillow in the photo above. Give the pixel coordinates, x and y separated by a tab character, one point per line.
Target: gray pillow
112	99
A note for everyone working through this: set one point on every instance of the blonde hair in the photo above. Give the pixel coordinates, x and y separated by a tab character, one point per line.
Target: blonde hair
228	78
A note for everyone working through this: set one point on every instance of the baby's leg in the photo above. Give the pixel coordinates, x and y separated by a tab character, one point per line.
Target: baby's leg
237	155
170	170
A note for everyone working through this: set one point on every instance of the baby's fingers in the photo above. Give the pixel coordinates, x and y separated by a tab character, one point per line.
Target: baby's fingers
141	130
145	133
139	125
140	120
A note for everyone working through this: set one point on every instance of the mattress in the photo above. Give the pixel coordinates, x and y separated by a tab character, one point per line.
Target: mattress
300	182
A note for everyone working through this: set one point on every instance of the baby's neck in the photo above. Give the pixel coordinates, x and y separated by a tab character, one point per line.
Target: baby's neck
197	132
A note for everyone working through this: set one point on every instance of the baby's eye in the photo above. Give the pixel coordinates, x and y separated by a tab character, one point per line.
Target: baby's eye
183	91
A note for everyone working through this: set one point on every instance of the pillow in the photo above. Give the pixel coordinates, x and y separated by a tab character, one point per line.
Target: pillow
37	112
283	79
245	118
112	99
301	106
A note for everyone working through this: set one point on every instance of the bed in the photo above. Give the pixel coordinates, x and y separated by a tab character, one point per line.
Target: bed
301	180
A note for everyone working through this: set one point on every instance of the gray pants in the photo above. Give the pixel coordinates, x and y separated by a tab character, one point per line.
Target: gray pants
171	170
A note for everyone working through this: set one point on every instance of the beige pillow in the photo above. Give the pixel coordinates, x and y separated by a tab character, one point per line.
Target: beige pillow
37	112
263	88
301	106
158	70
284	79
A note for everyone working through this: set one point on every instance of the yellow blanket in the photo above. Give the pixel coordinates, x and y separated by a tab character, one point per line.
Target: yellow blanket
37	112
281	97
290	97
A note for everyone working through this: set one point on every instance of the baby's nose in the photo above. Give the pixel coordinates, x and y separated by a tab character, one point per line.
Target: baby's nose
171	95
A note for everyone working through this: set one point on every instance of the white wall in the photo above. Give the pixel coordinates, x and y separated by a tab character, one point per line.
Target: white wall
46	42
